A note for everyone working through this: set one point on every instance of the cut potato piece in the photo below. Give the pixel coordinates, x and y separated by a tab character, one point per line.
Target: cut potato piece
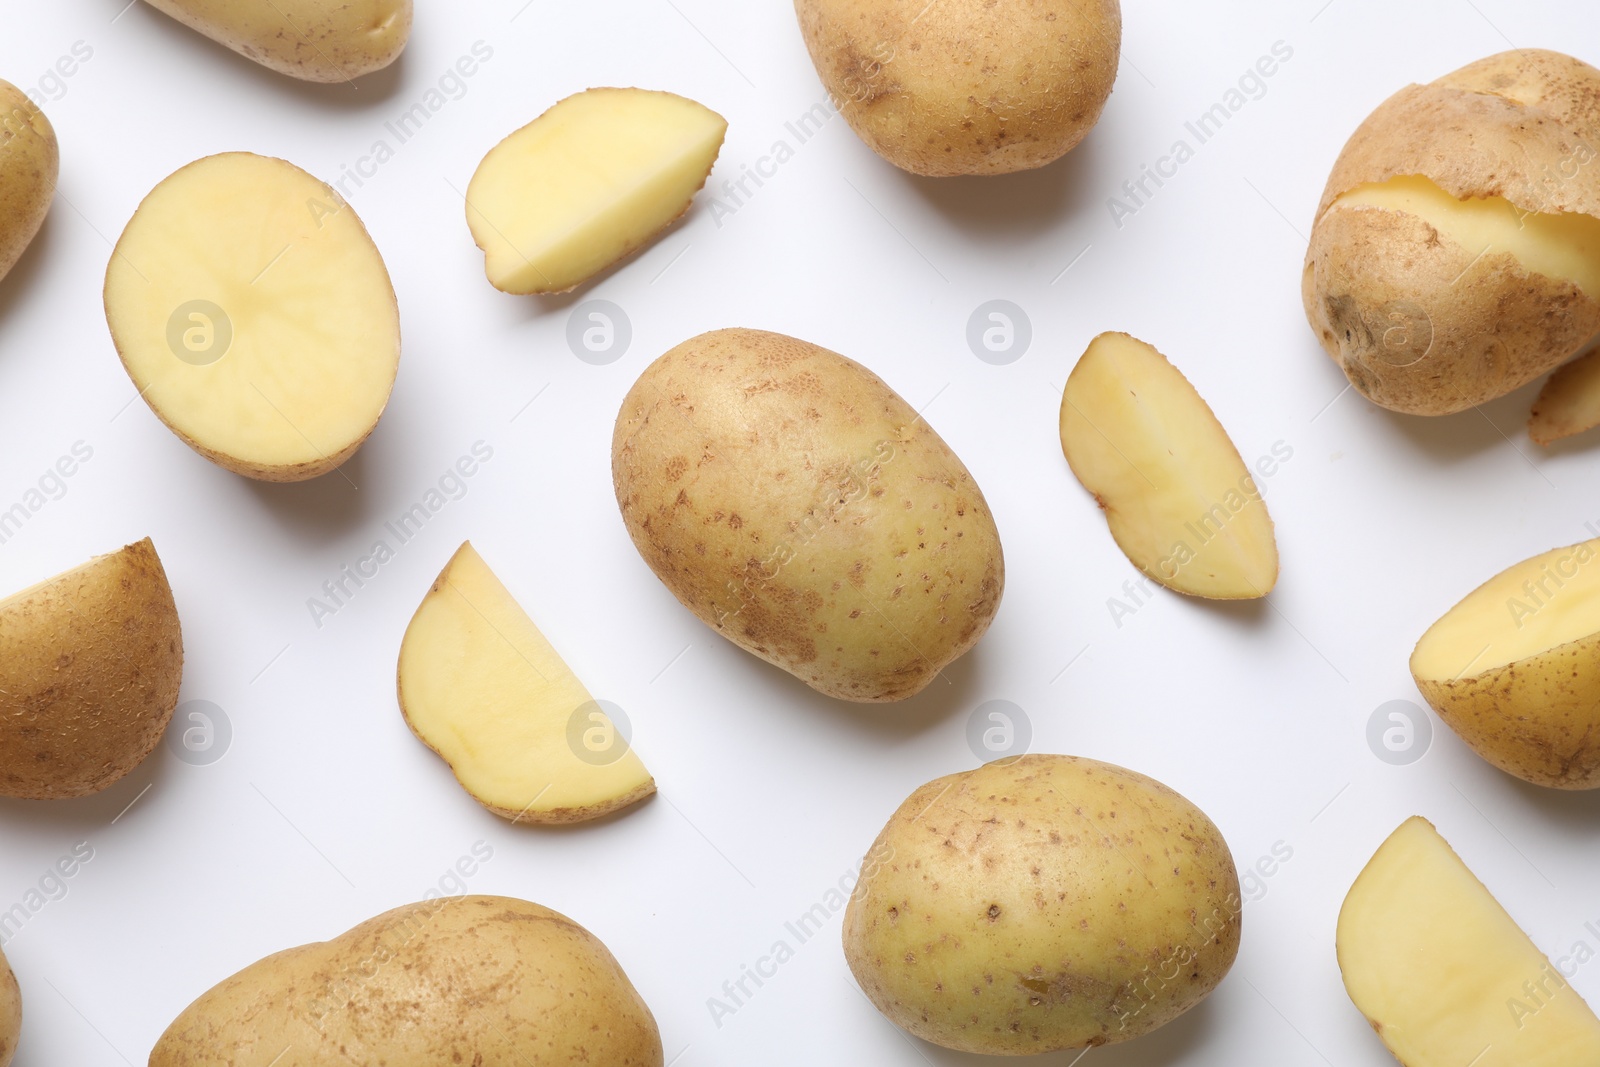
10	1013
1515	668
587	183
481	686
255	316
90	663
1180	501
313	40
1569	403
1444	975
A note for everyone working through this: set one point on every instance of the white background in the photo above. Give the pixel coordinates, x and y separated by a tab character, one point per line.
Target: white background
325	810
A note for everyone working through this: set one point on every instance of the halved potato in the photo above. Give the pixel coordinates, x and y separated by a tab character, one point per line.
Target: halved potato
1569	403
255	316
1444	975
588	183
481	686
90	663
1515	668
1180	502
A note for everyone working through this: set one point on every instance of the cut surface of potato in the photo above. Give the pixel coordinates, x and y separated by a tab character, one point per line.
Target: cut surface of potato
90	664
1444	975
587	183
1180	502
1569	403
255	316
481	686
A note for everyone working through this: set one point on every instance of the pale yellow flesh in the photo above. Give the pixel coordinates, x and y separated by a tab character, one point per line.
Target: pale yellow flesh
316	334
586	183
1562	246
481	686
1180	502
1443	973
1525	610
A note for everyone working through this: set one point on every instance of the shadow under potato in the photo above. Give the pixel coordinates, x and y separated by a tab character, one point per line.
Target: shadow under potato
323	507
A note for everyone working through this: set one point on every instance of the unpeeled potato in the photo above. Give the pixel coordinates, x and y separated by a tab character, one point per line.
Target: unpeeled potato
29	163
10	1013
313	40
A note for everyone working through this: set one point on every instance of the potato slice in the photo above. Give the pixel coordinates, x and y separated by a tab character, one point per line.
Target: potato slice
90	663
255	316
1180	502
313	40
1515	668
1444	975
28	169
597	177
1569	403
481	686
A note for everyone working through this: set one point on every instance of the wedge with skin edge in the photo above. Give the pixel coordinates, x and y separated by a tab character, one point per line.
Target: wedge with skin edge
481	686
1445	975
255	316
1514	669
1179	500
1569	403
588	183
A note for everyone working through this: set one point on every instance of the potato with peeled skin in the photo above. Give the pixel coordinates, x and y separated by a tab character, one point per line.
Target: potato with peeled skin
474	980
30	161
1442	972
255	316
1180	502
90	663
482	687
959	87
10	1013
1456	251
1569	403
313	40
1043	903
1514	669
804	511
585	185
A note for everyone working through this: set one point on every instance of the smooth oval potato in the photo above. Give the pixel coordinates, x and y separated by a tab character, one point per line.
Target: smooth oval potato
966	86
90	663
1042	903
1456	250
452	980
313	40
29	164
804	511
10	1013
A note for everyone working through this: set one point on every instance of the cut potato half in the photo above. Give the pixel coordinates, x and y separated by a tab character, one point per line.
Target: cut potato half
588	183
1180	502
255	316
1444	975
90	663
1569	403
1514	669
481	686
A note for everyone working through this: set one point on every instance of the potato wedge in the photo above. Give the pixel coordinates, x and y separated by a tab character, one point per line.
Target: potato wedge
29	165
1180	502
588	183
90	663
1444	975
313	40
255	316
481	686
1514	669
1569	403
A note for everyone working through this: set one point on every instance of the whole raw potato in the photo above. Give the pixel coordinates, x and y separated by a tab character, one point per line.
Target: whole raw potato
1456	250
966	86
803	510
1040	904
90	664
490	981
29	163
10	1013
314	40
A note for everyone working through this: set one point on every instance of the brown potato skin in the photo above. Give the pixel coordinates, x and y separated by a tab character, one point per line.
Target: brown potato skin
455	980
10	1012
90	664
963	86
313	40
30	161
1414	320
740	444
1569	403
1037	904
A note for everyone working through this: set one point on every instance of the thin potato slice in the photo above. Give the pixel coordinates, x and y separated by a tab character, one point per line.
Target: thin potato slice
1445	975
583	186
1180	502
255	316
481	686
